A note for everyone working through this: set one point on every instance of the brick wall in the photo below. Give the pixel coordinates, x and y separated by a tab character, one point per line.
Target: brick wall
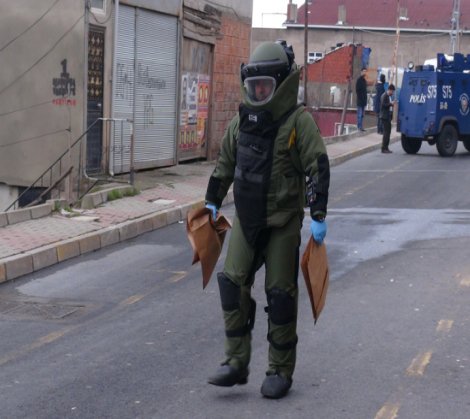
335	67
327	88
328	77
230	51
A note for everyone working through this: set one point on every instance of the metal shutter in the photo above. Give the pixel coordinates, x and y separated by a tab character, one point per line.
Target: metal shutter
123	101
155	111
146	69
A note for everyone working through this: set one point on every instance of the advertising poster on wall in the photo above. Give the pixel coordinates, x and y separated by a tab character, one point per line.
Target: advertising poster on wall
194	111
192	98
202	109
184	100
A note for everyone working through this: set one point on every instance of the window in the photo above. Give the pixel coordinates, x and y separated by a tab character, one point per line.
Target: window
98	5
315	56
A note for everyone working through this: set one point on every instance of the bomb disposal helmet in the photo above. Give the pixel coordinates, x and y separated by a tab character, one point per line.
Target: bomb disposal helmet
270	63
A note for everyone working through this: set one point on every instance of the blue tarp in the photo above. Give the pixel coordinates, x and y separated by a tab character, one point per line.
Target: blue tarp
365	57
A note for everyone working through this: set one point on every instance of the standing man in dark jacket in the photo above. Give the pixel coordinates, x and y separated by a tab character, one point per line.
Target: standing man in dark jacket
361	94
386	114
379	91
269	148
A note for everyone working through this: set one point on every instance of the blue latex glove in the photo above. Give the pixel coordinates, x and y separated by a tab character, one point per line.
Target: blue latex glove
214	210
318	230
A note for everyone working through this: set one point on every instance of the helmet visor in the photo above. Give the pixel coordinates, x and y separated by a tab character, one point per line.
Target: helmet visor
259	89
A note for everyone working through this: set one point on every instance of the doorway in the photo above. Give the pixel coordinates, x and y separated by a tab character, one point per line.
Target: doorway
95	99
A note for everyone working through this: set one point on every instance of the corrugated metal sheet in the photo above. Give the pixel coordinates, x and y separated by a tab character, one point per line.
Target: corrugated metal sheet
123	101
155	113
146	70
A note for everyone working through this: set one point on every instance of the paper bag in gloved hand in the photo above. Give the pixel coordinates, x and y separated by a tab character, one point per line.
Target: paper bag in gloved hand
206	237
316	274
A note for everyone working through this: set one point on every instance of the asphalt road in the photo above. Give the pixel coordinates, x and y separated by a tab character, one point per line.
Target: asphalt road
128	332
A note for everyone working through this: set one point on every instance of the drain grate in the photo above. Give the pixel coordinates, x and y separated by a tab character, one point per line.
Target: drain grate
37	310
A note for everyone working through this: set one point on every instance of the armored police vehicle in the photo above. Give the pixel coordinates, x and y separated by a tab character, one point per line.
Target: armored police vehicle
434	106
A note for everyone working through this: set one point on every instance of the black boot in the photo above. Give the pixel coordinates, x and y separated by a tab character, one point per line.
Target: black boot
228	376
275	386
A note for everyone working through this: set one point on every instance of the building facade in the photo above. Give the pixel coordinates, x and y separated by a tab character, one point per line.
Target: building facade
42	88
100	86
422	28
395	32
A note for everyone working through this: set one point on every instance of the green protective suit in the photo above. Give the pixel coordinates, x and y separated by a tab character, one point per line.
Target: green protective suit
267	151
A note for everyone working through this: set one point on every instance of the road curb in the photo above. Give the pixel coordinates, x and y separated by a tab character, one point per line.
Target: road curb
25	214
356	153
42	257
33	260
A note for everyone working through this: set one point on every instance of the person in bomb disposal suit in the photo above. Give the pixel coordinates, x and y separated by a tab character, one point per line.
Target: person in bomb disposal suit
268	150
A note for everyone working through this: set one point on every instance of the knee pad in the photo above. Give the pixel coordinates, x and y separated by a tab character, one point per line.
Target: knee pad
229	293
281	306
248	327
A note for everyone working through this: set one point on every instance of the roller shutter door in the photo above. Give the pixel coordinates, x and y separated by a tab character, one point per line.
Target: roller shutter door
155	112
123	101
146	88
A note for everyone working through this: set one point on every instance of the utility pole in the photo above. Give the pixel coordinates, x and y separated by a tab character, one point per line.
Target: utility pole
395	51
307	2
400	17
455	23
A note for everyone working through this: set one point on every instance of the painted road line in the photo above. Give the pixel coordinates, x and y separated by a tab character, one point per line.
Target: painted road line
132	300
388	411
419	364
465	282
370	182
444	326
38	343
178	276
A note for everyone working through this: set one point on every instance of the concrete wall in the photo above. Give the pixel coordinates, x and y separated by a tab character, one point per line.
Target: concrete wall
41	97
7	196
241	10
170	7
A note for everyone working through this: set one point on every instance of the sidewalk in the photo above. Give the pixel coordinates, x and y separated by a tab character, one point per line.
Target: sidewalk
167	195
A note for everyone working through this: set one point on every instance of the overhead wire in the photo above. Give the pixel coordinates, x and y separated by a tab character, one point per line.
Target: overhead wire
36	63
25	108
24	140
26	30
42	57
30	26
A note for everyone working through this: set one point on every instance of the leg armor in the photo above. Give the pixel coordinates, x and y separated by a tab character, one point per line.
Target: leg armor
239	317
282	336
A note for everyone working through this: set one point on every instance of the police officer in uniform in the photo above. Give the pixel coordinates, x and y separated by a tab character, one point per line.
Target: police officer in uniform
272	151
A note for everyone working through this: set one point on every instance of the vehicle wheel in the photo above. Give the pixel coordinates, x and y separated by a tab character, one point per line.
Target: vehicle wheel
466	143
410	145
447	141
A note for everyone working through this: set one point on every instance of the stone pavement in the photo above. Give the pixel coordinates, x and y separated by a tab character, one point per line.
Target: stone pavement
167	195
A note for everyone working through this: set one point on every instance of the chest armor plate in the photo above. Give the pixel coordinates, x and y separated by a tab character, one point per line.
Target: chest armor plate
257	133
